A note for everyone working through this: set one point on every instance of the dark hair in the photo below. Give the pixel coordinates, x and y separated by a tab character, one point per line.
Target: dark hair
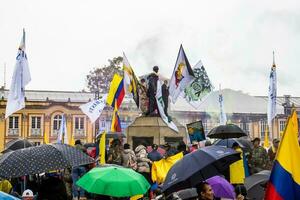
126	146
155	68
115	142
143	80
201	187
256	139
240	189
78	142
154	146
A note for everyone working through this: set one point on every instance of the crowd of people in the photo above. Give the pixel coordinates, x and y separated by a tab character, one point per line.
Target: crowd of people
62	184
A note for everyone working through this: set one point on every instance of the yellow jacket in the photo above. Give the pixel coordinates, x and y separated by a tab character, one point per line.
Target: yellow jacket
160	168
237	170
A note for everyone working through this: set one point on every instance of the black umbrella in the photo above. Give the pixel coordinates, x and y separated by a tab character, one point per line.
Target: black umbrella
43	158
245	144
254	184
17	144
197	166
226	131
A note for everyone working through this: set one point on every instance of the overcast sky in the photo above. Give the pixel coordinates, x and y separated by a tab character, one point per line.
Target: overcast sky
234	39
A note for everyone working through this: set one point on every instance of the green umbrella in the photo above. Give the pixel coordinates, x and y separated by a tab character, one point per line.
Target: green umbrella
114	181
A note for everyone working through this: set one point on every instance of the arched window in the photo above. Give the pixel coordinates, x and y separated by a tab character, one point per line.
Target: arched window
56	123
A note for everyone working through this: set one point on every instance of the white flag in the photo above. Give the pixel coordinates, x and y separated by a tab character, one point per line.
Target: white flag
62	136
94	108
182	75
272	95
130	81
223	118
199	88
161	105
21	77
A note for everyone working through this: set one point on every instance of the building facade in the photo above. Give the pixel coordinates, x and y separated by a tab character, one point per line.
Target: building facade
42	115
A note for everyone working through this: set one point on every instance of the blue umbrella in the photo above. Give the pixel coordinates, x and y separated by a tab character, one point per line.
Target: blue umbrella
198	166
5	196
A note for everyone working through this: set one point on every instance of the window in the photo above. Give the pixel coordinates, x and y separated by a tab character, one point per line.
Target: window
79	123
36	143
263	126
245	127
13	125
36	125
281	125
79	128
35	122
57	119
14	122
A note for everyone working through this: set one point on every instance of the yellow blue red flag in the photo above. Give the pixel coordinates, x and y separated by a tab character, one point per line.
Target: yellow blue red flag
116	91
115	122
284	181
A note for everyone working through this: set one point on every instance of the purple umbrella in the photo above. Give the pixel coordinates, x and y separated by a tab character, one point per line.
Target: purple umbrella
221	187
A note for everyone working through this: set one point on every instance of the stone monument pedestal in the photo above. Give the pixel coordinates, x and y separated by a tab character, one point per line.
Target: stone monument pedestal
151	130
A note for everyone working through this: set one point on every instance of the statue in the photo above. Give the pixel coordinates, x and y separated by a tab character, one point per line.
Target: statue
151	92
144	100
165	96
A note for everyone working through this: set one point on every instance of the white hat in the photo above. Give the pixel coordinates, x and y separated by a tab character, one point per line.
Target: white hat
27	193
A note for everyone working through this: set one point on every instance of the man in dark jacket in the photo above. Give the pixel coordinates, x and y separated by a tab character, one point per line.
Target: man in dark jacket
151	92
154	155
165	96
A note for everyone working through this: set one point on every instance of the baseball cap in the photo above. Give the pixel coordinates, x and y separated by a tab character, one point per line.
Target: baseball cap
27	193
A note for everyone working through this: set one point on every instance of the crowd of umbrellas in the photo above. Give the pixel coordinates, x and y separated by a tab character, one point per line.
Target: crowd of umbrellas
21	158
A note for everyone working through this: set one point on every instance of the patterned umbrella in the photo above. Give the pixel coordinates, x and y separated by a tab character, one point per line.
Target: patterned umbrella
17	144
43	158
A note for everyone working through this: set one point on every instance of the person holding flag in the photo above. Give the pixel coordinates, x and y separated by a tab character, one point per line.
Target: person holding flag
21	77
182	75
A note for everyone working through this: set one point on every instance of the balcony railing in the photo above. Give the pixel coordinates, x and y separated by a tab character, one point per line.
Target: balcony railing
13	131
36	132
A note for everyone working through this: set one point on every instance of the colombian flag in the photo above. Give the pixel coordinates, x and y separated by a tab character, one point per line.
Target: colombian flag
284	182
115	122
116	91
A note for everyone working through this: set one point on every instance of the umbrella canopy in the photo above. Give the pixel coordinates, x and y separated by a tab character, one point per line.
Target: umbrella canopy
188	193
245	144
114	181
221	187
226	131
5	196
17	144
43	158
198	166
254	183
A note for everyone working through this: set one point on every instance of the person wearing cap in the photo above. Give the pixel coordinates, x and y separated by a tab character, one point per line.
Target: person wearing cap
259	159
154	155
27	195
151	92
170	151
273	149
